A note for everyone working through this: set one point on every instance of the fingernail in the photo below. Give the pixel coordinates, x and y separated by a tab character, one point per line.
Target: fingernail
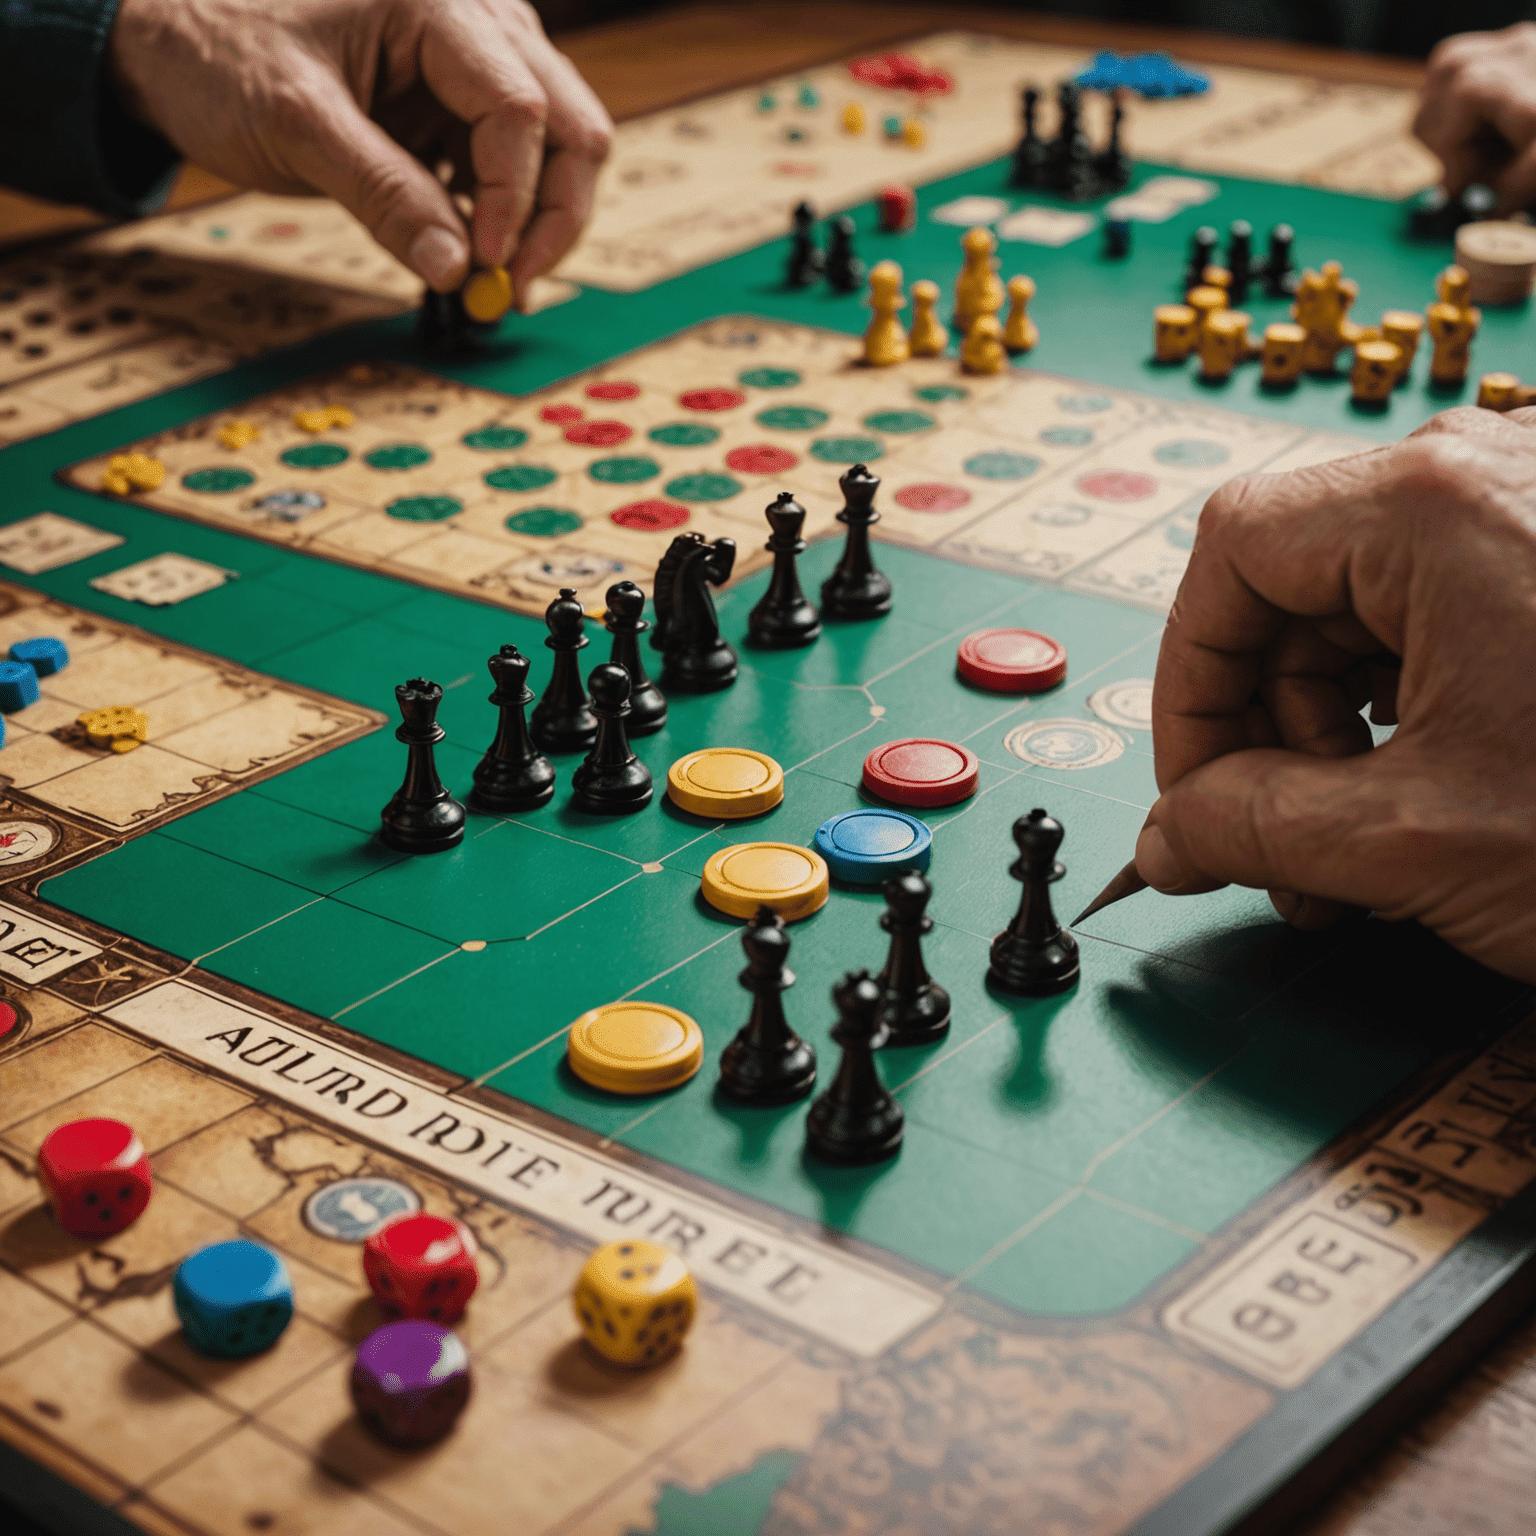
1286	903
439	256
1155	860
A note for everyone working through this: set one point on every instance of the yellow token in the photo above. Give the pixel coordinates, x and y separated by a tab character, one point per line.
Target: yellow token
237	434
114	723
340	416
914	133
725	781
790	879
853	118
116	482
313	421
635	1047
488	295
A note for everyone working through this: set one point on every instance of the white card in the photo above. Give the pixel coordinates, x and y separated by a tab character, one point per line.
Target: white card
46	541
1186	191
163	580
969	210
1046	226
1143	206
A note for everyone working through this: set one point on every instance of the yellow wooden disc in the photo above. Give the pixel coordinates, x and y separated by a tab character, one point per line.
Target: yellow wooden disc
725	781
790	879
635	1047
488	295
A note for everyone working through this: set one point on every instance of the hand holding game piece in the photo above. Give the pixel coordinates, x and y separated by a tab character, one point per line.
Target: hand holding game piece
410	1381
635	1301
290	96
767	1062
233	1299
420	1265
611	780
513	775
96	1176
1425	551
1034	956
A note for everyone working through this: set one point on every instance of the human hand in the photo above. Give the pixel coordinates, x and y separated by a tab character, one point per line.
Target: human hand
365	100
1477	112
1425	550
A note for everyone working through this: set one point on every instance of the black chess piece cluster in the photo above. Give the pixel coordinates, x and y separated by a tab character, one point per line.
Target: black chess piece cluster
1435	215
808	264
1277	271
1034	956
1067	165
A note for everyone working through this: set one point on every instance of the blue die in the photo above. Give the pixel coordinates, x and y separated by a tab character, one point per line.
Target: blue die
233	1299
44	654
18	685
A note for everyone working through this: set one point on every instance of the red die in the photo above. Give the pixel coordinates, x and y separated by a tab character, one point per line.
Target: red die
422	1266
96	1175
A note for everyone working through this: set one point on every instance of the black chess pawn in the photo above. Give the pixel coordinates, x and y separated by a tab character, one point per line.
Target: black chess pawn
1112	165
1280	264
806	261
1239	259
647	703
855	589
1202	252
1071	164
513	775
854	1120
914	1007
421	817
767	1062
611	780
1034	955
784	616
444	327
845	272
562	720
1029	157
698	658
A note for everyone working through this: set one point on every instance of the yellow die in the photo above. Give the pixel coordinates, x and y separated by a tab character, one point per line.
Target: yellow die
635	1301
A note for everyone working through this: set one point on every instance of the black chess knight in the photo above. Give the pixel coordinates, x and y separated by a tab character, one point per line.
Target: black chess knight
697	658
421	817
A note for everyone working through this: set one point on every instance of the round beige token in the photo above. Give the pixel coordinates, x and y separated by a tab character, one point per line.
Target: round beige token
488	295
725	781
635	1047
1500	259
792	880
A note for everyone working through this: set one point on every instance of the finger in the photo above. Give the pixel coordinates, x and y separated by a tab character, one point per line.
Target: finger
339	151
1311	913
565	204
1515	185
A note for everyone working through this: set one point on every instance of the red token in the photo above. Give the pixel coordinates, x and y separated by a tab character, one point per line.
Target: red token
612	389
932	497
1012	660
650	516
761	459
598	434
712	399
921	771
560	414
8	1019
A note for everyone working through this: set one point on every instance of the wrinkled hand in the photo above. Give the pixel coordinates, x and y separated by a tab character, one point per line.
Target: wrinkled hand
1297	585
1478	112
365	100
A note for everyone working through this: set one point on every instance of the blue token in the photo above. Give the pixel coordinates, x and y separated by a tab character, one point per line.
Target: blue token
18	685
864	847
44	655
233	1299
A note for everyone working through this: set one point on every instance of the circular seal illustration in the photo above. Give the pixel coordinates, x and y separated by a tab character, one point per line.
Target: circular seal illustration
352	1210
1064	743
1128	704
23	841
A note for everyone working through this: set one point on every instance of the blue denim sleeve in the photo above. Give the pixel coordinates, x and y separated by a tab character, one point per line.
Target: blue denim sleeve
64	133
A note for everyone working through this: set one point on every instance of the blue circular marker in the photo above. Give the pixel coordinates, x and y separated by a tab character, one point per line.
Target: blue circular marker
864	847
44	655
18	685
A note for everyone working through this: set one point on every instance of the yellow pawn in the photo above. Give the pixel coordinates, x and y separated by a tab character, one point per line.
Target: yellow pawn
853	118
928	337
1021	333
983	351
1175	330
885	342
978	289
1377	367
1283	344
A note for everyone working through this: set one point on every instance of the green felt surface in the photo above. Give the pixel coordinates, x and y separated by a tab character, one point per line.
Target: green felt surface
1062	1155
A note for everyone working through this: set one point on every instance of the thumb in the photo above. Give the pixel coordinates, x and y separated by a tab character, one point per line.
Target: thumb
342	152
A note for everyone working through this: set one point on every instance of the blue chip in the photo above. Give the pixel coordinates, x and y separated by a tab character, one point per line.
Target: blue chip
866	847
18	685
44	655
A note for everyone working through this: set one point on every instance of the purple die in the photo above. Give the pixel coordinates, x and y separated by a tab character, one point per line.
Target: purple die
410	1381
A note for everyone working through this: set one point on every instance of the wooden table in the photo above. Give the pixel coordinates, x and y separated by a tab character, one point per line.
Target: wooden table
1470	1466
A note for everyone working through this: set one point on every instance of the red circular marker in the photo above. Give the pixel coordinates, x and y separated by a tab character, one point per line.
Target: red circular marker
649	516
1012	660
9	1019
932	497
921	771
1118	485
614	389
598	434
284	230
712	399
761	459
560	414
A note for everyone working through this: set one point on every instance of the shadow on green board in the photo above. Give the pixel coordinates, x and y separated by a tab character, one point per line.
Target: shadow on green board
738	1506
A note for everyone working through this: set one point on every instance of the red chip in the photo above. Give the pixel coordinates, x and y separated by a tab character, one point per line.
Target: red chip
921	771
649	516
712	399
761	459
614	389
559	414
598	434
1118	485
1011	660
8	1019
931	496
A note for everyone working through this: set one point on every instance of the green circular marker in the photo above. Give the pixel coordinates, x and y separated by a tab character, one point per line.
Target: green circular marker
1000	465
769	378
899	421
400	456
218	482
703	487
847	450
495	439
792	418
316	455
936	393
624	471
423	509
683	434
543	522
520	477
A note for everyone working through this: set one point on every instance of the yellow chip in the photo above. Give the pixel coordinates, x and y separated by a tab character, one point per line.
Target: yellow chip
488	295
236	434
725	781
115	723
116	482
313	421
635	1047
340	416
790	879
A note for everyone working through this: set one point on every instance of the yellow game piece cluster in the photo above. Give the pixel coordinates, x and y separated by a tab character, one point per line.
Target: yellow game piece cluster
319	418
635	1302
237	434
129	472
118	727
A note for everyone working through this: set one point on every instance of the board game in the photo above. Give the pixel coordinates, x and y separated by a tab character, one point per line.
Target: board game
1157	1255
